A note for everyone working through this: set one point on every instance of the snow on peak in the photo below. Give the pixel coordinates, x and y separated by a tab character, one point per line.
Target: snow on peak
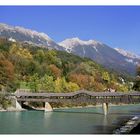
12	39
127	53
77	41
32	33
68	44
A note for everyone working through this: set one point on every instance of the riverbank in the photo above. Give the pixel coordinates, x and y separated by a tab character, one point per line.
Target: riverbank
130	127
11	109
135	130
66	107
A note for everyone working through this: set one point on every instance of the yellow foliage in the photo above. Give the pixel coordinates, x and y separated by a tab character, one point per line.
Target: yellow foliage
20	52
61	85
72	87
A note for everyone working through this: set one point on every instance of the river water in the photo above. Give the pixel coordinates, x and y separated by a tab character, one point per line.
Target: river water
67	121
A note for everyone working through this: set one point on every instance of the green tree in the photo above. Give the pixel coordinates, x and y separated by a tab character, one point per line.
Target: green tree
32	67
4	102
122	88
40	56
105	76
47	83
34	83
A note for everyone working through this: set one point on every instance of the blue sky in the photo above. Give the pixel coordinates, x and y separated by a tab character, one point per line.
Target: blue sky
117	26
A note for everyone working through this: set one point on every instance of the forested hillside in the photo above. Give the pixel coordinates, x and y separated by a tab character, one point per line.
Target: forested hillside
26	66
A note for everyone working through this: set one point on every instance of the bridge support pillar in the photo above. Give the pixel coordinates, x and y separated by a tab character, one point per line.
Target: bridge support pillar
48	107
105	108
16	104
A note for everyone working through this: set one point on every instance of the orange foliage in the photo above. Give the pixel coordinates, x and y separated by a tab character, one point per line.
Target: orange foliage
82	80
55	70
7	68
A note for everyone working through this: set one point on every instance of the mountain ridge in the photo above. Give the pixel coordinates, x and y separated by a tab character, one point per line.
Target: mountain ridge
112	58
102	54
27	35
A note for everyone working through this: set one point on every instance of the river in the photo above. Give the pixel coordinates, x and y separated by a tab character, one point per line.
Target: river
67	121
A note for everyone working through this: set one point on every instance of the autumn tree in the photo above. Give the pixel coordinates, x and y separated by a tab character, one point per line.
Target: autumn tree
19	51
20	57
72	87
61	85
81	79
6	74
105	76
56	72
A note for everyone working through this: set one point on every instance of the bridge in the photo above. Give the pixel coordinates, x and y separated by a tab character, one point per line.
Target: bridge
82	96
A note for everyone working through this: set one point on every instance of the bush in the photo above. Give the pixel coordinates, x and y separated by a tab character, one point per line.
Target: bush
4	101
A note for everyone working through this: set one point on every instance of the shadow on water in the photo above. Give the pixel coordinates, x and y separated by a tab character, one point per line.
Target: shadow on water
29	108
82	112
88	112
101	129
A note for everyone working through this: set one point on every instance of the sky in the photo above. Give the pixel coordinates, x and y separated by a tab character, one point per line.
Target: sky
116	26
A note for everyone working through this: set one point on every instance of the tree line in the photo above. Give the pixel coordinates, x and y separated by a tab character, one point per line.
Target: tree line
24	65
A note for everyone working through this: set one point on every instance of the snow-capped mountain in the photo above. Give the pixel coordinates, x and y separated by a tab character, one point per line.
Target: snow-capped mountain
130	57
102	54
16	33
127	53
70	44
116	59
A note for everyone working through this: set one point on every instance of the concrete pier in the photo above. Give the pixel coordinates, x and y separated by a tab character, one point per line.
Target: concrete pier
105	108
48	107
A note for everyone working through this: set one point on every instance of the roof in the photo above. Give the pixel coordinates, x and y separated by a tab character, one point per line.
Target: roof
76	93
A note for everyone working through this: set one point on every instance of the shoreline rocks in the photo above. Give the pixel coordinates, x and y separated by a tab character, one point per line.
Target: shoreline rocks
129	126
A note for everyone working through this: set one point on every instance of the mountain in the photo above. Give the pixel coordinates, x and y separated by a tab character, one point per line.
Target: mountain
16	33
103	54
127	53
116	59
131	57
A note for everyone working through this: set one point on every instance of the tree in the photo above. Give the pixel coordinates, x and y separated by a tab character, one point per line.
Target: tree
4	102
31	67
72	87
81	80
34	83
105	76
6	74
51	58
20	57
122	88
137	81
40	56
61	85
47	83
18	51
56	72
